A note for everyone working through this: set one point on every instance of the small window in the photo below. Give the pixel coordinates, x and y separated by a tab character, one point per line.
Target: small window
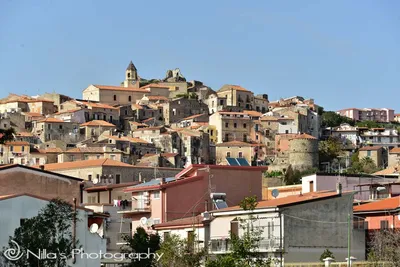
23	148
11	148
112	157
156	194
244	125
228	154
118	178
129	75
235	228
126	112
384	224
240	155
226	125
97	156
115	97
86	157
129	98
369	153
60	126
166	235
235	125
48	126
22	161
89	177
11	161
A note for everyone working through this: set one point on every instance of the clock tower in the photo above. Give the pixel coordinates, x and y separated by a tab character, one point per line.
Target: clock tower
131	77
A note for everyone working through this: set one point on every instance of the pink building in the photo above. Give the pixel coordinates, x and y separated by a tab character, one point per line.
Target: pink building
368	114
188	193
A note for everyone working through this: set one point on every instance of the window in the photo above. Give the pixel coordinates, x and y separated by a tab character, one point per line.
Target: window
384	224
156	194
166	235
117	178
129	98
235	125
89	177
22	221
235	227
23	148
72	157
126	112
369	153
37	161
212	132
221	102
60	127
22	161
97	156
115	97
244	138
240	155
244	125
11	161
190	240
257	137
226	137
129	75
86	157
104	117
286	131
92	199
112	157
11	148
228	154
111	118
226	125
48	126
157	221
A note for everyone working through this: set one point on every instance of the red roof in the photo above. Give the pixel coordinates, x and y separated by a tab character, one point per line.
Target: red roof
395	150
52	120
17	143
252	113
183	222
368	148
193	116
98	123
84	164
154	85
382	205
120	88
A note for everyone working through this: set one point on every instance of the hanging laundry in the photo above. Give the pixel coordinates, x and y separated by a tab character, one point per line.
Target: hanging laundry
115	202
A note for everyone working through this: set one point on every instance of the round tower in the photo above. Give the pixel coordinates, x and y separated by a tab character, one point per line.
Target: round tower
303	152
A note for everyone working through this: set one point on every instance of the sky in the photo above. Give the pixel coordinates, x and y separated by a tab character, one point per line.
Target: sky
340	53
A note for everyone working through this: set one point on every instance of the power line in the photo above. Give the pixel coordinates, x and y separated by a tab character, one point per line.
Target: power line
308	220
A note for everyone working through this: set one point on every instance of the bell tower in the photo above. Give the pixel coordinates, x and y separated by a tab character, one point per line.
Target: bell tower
131	77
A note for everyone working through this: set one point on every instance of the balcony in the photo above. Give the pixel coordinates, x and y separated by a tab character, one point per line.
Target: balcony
136	207
221	246
121	238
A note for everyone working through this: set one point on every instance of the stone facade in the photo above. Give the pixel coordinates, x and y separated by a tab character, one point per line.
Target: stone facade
231	126
181	108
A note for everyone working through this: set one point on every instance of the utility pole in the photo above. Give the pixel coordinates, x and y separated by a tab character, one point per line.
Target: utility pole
348	239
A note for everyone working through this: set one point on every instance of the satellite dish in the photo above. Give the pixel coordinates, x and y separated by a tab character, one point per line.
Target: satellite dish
143	221
275	193
94	228
95	180
150	222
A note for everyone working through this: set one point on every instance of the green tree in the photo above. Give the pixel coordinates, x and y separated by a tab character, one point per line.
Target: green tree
243	248
385	247
365	165
50	230
332	119
326	254
369	124
141	242
330	149
179	252
6	135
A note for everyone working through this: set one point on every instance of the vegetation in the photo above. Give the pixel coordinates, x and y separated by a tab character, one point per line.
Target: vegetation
187	95
385	247
179	252
273	174
6	135
293	176
50	231
326	254
141	242
332	119
244	248
365	165
330	149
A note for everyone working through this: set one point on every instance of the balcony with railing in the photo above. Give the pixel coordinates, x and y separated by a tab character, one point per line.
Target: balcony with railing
221	246
137	207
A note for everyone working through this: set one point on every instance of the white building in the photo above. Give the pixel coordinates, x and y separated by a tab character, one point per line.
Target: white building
15	208
294	229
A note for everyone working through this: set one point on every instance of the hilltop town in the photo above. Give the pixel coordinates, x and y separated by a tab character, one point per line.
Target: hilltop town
175	156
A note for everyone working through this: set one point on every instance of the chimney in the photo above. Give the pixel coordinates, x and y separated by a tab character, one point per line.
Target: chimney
41	167
339	188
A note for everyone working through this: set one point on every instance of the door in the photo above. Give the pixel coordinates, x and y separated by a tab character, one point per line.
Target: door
311	186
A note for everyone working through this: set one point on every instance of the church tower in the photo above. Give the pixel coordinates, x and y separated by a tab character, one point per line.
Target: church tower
131	76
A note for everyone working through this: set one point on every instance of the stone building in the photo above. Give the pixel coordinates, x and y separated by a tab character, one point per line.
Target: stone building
238	149
25	103
113	95
90	153
163	138
55	129
194	147
377	153
394	157
261	103
95	128
58	99
237	96
231	126
180	108
216	103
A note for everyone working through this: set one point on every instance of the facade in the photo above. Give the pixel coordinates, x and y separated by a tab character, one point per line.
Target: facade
261	103
231	126
113	95
291	226
180	108
376	153
237	149
18	207
215	103
380	137
72	115
348	134
163	138
90	153
368	114
394	157
186	193
15	152
194	147
237	96
191	120
95	128
25	103
55	129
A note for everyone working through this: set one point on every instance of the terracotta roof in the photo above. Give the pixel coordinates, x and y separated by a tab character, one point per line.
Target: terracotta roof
52	120
17	143
93	150
188	221
394	170
149	155
84	164
252	113
98	123
138	123
169	155
149	119
234	143
227	87
269	118
231	113
395	150
51	150
193	116
110	186
33	114
24	134
120	88
156	128
368	148
289	200
97	105
137	106
154	85
68	111
23	98
304	136
128	139
382	205
157	97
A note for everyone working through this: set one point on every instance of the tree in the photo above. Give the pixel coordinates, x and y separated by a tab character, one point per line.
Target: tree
330	149
6	135
385	246
141	242
179	252
369	124
326	254
244	248
365	165
50	231
293	176
332	119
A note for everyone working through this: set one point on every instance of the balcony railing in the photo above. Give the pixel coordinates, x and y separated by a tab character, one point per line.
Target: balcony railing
265	245
121	238
139	206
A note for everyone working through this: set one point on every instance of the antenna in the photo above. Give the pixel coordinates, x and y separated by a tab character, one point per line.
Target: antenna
143	221
275	193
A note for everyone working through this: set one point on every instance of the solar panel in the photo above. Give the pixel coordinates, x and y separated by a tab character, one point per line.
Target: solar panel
220	204
233	162
243	162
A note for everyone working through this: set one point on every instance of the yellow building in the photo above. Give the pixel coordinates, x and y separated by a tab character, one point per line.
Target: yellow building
237	96
233	149
231	126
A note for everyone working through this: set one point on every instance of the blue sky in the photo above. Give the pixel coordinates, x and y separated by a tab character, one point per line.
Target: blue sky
341	53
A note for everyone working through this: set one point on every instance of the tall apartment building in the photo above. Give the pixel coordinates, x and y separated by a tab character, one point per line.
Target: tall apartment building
368	114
